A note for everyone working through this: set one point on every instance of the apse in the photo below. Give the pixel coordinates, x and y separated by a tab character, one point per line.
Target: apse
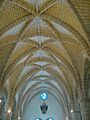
53	109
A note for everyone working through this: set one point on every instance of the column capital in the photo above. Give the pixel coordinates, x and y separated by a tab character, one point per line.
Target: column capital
81	94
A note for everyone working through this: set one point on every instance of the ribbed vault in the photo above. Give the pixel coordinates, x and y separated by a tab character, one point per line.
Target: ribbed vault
44	41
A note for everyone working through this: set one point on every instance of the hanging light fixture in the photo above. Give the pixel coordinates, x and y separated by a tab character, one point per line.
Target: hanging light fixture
19	118
71	111
9	110
0	101
66	118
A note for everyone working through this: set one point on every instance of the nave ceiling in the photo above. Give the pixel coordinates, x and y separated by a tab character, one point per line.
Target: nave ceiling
44	42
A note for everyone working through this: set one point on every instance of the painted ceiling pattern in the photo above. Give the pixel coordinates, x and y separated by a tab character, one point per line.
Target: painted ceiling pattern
44	43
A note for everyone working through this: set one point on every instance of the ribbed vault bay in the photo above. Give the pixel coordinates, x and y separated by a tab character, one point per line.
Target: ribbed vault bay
44	45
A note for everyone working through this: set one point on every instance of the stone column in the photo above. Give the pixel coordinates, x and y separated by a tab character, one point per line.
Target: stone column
75	110
85	109
1	113
15	117
76	115
69	118
84	104
8	116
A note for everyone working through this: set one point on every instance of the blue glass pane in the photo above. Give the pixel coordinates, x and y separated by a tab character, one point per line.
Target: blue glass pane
49	119
38	119
44	96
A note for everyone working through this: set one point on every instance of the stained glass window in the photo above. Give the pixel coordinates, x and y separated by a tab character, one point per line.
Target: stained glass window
49	119
44	96
38	119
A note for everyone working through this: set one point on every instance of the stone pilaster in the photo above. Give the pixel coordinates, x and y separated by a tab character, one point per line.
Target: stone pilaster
15	117
75	110
8	116
85	109
76	115
84	105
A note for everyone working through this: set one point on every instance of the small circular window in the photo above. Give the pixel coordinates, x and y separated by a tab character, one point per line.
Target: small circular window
49	119
44	96
38	119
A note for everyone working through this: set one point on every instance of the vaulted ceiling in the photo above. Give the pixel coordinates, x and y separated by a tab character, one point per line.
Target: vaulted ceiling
44	42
